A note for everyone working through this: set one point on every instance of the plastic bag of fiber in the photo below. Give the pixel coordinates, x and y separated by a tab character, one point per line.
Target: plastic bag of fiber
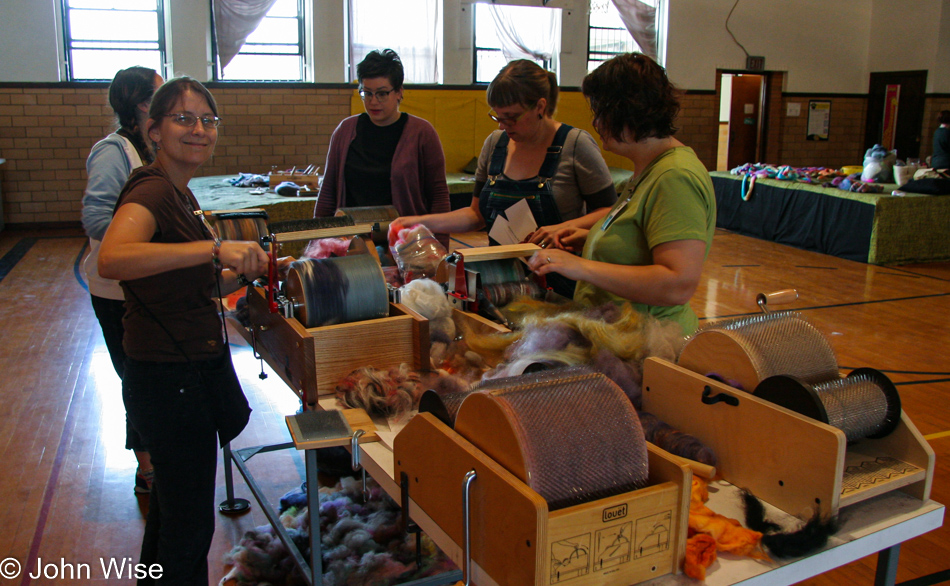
416	251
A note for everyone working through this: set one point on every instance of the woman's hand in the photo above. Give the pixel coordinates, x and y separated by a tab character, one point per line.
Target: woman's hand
556	261
570	238
245	258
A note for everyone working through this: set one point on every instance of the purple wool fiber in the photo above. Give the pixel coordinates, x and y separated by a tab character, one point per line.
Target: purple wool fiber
551	336
621	373
674	441
608	312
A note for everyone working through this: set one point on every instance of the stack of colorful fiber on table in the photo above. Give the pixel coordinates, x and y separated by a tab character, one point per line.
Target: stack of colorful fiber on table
820	176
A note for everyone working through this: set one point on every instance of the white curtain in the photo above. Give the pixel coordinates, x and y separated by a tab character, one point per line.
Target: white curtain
234	21
640	20
540	41
411	28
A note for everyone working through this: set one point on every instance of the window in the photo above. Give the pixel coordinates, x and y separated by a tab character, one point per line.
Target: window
104	36
608	36
411	28
505	33
273	51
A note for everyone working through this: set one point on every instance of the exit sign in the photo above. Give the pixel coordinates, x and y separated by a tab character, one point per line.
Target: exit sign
754	63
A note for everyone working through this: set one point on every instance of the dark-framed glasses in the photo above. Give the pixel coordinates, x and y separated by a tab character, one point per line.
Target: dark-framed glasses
507	120
189	120
381	95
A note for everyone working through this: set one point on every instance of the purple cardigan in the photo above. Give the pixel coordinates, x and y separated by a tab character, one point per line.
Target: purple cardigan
418	171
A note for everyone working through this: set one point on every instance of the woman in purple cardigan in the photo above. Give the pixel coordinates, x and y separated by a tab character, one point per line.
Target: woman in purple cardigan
384	157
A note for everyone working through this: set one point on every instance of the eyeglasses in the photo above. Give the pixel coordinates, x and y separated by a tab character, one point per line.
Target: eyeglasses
506	120
381	95
188	120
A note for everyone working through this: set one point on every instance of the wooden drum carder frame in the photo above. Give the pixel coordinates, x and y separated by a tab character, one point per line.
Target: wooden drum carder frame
312	360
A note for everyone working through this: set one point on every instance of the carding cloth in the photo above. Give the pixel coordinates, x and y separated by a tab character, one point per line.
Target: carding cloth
573	437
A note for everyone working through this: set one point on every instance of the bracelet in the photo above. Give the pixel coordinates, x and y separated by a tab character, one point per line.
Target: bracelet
215	253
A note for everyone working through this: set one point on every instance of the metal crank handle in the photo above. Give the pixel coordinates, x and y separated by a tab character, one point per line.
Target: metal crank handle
782	297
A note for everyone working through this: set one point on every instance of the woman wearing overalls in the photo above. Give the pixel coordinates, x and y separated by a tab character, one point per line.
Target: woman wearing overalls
556	168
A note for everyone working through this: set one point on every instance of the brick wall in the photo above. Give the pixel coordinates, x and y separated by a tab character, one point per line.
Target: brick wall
46	134
698	124
845	144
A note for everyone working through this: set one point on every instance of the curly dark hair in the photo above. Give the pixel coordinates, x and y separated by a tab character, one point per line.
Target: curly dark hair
523	82
381	63
943	117
632	93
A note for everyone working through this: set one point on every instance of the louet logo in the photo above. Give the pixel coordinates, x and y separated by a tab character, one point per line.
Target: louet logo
614	513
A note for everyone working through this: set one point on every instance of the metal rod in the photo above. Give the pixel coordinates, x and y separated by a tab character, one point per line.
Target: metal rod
313	512
466	485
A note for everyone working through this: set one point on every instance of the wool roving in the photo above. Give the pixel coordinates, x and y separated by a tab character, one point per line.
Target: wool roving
362	543
326	248
389	393
674	441
427	298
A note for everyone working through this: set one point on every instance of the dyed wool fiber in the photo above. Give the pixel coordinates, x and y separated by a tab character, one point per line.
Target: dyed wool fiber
389	393
327	247
362	543
612	339
662	435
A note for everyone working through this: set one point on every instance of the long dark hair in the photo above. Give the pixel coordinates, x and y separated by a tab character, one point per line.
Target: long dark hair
632	92
129	88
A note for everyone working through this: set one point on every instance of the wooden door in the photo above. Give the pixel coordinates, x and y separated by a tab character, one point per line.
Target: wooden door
910	110
744	119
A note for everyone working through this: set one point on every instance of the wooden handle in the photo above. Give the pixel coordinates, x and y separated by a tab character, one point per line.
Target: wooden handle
699	469
776	297
325	233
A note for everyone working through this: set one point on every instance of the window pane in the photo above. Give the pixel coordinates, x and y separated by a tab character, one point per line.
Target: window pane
284	8
115	4
275	30
411	28
485	35
105	36
147	45
92	64
263	68
269	49
117	25
274	51
536	27
487	65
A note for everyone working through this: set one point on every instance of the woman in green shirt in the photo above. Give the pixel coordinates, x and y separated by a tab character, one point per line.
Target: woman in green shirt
649	248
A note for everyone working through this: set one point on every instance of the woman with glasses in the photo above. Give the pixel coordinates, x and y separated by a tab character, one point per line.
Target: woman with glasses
650	247
384	156
180	390
108	166
556	168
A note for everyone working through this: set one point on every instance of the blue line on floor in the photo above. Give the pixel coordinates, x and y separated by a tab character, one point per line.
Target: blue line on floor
76	269
15	255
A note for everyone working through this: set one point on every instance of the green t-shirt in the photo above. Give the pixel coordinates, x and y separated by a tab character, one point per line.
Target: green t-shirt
672	199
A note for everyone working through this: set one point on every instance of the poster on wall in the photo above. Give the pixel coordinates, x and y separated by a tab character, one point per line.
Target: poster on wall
892	95
819	119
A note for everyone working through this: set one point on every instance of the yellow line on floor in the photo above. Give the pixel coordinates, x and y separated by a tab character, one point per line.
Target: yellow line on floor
937	435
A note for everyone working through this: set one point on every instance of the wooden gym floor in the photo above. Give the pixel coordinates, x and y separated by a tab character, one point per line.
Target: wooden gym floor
66	481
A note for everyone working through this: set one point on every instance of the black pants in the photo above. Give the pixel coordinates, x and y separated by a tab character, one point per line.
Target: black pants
172	410
109	312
